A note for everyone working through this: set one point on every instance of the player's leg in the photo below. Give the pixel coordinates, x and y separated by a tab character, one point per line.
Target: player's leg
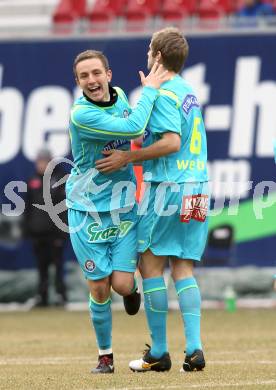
156	358
188	235
101	316
124	262
93	258
125	284
155	292
190	306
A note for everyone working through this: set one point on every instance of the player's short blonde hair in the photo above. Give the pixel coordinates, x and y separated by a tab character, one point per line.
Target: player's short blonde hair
88	54
173	47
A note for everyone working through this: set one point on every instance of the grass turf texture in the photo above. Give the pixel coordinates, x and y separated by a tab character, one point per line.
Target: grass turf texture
55	349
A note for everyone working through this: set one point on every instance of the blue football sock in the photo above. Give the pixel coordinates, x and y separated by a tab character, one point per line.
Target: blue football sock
189	303
156	308
102	321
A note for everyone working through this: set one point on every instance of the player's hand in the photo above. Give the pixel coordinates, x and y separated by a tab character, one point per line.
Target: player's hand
138	142
114	160
156	76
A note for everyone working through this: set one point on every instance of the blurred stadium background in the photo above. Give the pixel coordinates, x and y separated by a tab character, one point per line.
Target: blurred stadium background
232	66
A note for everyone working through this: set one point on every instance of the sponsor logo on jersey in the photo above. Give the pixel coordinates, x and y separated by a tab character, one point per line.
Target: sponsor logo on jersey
89	265
189	102
110	232
194	207
198	165
116	144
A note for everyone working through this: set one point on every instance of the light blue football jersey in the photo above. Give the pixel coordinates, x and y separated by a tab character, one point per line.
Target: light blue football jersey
94	128
177	110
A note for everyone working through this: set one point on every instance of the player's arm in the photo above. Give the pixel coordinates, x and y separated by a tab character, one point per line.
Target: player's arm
168	143
166	114
116	159
95	123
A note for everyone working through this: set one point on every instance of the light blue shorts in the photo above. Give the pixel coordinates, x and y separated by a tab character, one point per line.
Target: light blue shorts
182	234
100	250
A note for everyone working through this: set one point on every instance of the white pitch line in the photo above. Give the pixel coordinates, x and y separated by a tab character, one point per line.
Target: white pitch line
48	360
219	362
86	359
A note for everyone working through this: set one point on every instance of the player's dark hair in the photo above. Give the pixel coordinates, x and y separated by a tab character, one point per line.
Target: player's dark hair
173	47
89	54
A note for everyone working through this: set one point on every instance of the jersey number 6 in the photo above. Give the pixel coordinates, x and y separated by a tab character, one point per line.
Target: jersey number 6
195	145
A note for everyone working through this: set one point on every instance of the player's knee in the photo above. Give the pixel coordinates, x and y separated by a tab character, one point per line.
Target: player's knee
181	268
99	295
122	282
123	287
148	271
99	290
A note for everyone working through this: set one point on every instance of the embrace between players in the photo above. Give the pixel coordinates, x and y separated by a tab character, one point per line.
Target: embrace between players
106	230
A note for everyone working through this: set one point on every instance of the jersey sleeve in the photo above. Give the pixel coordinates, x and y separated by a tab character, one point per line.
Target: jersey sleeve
166	116
94	123
122	95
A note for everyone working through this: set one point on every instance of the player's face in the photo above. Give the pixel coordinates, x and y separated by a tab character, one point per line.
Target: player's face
151	59
93	79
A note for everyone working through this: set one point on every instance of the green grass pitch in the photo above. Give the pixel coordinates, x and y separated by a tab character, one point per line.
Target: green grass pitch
55	349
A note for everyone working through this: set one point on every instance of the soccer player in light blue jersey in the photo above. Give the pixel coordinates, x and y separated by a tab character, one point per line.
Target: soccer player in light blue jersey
173	212
102	215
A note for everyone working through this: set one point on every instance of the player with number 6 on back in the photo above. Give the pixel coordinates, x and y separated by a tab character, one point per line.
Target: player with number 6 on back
174	225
